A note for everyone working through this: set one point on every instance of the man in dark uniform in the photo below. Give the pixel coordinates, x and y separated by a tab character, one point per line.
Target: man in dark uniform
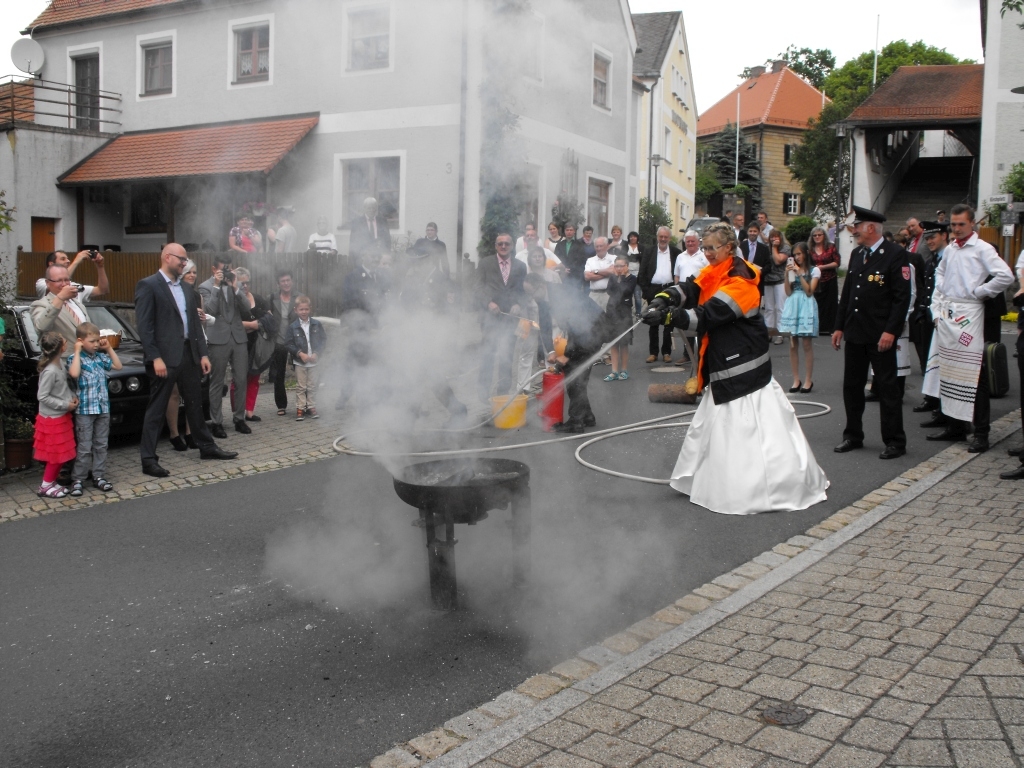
936	238
572	253
1018	302
872	311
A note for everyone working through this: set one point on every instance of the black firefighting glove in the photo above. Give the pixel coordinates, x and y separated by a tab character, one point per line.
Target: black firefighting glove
657	311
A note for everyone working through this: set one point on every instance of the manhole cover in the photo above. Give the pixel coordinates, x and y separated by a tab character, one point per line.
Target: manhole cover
785	714
671	369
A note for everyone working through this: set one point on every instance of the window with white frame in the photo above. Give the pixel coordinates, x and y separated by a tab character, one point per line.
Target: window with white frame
87	83
252	53
369	38
598	199
532	40
377	177
602	80
791	203
157	67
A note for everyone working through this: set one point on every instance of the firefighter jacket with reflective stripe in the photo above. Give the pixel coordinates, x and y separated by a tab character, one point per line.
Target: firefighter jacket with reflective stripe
723	304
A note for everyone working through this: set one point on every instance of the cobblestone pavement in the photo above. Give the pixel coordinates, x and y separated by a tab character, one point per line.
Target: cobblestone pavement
895	625
276	442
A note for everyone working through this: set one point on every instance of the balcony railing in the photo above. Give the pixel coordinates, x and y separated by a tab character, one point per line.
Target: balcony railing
45	102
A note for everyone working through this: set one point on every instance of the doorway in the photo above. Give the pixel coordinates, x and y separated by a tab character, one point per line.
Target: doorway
44	234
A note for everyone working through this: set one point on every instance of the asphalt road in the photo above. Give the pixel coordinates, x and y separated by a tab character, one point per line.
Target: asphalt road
282	619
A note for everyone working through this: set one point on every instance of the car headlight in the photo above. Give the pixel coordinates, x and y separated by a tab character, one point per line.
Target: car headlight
116	386
134	385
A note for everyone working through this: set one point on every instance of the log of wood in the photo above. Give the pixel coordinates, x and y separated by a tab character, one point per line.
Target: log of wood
670	393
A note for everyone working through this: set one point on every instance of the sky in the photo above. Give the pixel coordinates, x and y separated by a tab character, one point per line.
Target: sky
725	38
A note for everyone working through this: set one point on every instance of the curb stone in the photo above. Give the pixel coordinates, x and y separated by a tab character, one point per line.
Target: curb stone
546	696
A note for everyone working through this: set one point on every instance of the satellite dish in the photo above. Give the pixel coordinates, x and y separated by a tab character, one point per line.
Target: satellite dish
1018	90
28	55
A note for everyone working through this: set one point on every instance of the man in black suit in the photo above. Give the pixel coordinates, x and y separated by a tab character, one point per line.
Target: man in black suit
369	232
499	290
174	350
657	265
872	311
573	255
757	253
431	246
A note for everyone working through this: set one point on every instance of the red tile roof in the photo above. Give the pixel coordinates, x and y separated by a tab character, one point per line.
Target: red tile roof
775	98
206	150
941	93
68	11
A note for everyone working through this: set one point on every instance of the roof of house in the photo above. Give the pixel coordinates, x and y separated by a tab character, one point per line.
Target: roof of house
654	33
946	93
204	150
69	11
780	98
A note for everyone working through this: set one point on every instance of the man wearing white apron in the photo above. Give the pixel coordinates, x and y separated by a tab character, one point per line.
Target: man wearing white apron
970	272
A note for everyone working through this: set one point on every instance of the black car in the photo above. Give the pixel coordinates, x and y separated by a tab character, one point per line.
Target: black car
129	387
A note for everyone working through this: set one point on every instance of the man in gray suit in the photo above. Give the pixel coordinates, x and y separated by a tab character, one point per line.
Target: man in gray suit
226	339
60	309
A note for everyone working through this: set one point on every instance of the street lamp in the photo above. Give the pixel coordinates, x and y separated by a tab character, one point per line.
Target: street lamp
655	162
840	213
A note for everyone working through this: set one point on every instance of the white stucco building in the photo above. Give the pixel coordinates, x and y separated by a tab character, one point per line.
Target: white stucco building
316	104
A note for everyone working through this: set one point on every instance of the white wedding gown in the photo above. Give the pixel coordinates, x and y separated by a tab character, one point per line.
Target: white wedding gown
748	456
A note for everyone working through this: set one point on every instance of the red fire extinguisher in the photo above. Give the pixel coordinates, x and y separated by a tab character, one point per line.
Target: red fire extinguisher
552	399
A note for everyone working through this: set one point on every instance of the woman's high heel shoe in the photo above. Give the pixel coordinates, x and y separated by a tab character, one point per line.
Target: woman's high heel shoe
190	442
178	443
805	390
796	388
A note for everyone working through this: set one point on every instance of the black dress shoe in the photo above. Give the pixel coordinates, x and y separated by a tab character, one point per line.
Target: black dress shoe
934	422
948	434
848	445
1015	451
1013	474
568	427
590	421
216	452
796	388
254	417
217	430
191	442
241	426
178	443
923	407
978	445
892	452
870	397
155	470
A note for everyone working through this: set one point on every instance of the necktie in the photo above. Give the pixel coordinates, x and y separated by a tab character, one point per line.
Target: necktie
505	267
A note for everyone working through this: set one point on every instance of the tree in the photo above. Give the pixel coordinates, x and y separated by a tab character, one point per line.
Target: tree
1013	182
799	229
653	215
815	162
705	183
567	210
720	157
812	66
1012	5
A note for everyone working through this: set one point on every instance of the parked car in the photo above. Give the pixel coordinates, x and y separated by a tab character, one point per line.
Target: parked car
129	387
698	225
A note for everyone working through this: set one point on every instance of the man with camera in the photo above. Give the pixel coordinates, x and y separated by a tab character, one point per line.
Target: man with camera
226	340
61	309
85	292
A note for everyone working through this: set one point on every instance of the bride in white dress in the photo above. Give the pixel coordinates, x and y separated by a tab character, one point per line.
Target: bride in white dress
744	452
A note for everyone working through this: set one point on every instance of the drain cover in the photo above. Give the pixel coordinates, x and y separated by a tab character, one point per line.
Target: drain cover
785	714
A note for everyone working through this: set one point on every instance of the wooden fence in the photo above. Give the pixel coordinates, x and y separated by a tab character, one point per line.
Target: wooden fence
317	275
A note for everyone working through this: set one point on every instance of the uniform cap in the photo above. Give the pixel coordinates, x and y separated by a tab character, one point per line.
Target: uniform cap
934	227
866	214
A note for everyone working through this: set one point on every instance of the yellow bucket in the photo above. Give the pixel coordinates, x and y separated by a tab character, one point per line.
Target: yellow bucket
512	417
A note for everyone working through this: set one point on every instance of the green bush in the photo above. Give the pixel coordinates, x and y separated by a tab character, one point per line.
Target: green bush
799	229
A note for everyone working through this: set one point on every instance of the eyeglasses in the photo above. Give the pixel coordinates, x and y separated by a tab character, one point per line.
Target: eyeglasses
503	244
711	248
245	283
62	280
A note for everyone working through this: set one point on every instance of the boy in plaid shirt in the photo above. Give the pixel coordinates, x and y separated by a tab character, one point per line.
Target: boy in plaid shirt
90	366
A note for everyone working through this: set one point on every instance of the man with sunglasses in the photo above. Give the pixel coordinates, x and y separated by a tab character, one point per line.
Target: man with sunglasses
60	309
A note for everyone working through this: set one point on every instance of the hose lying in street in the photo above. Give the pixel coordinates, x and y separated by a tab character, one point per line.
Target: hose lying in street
592	438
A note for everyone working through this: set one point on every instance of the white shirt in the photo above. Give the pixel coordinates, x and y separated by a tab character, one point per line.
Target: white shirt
179	299
962	272
523	254
597	264
766	230
324	243
1020	267
663	273
83	295
688	266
